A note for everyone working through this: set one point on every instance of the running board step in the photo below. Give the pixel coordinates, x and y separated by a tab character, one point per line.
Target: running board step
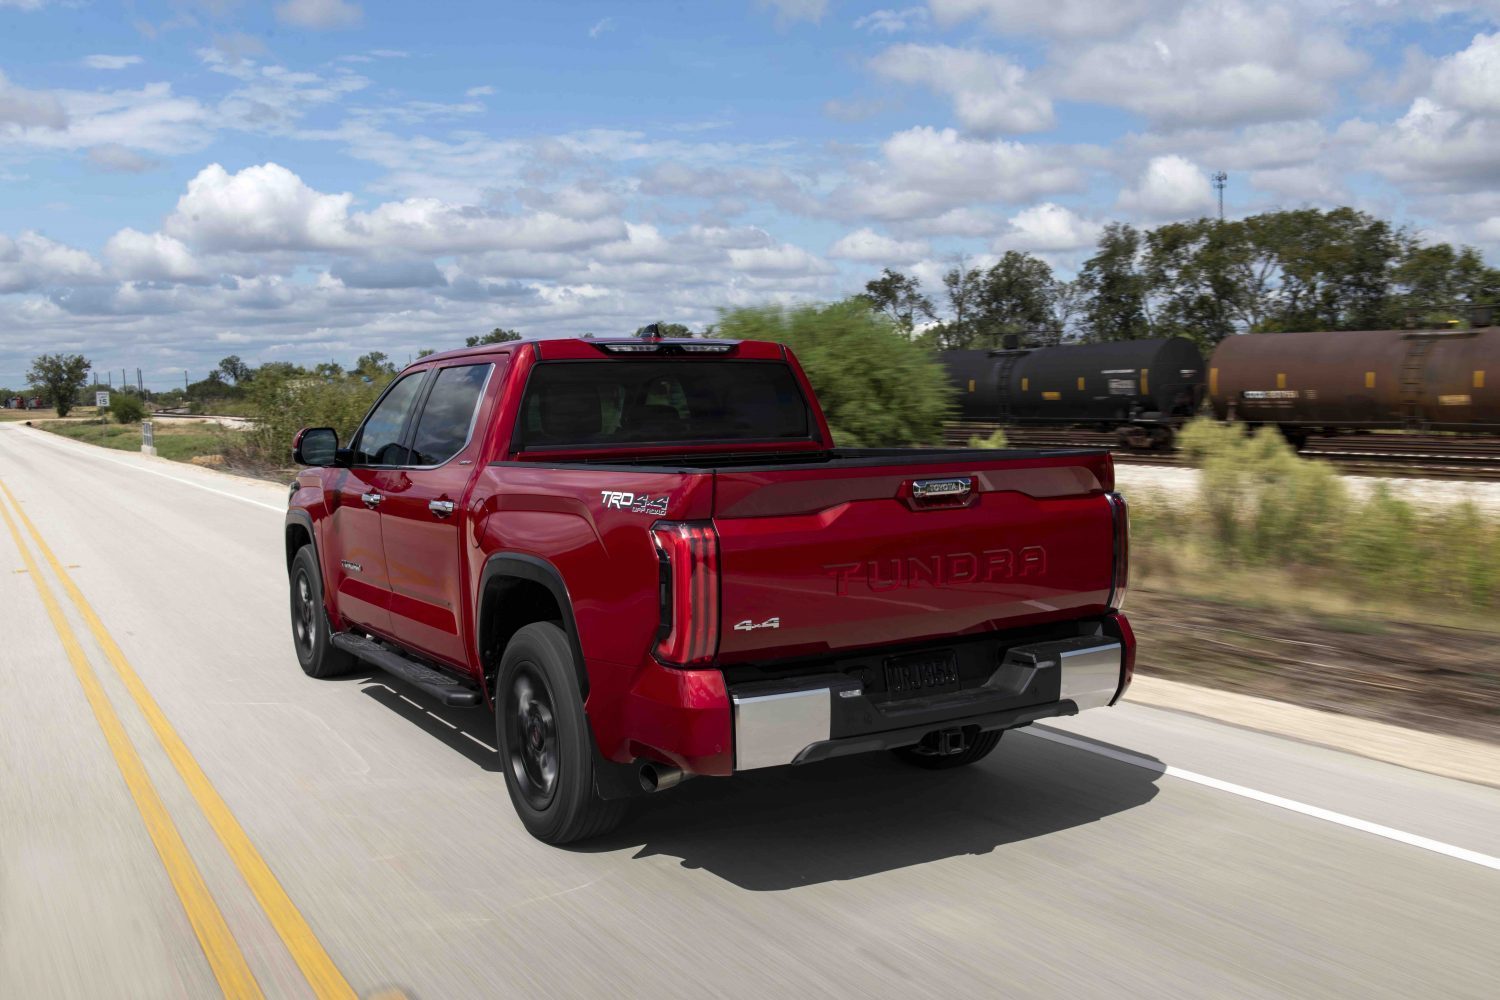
448	690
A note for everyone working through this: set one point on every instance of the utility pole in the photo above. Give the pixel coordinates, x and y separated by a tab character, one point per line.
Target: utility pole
139	383
1220	179
184	380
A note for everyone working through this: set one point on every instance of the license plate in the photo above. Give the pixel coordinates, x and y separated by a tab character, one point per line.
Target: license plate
921	674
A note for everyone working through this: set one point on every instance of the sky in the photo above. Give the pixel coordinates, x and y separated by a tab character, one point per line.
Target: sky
309	180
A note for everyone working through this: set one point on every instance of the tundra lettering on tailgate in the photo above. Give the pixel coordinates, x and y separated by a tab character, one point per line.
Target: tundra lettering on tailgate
953	569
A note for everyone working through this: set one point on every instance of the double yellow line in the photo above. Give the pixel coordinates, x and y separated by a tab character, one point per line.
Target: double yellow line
219	946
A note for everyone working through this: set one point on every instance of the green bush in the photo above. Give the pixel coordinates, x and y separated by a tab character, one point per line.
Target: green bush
126	409
877	388
995	441
283	404
1261	506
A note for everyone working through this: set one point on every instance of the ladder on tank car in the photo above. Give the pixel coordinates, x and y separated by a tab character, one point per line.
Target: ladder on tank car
1002	382
1414	380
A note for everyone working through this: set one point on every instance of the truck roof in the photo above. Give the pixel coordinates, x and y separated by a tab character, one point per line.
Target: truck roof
587	348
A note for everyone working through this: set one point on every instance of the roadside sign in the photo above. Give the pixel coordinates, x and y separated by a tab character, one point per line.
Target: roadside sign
101	400
148	438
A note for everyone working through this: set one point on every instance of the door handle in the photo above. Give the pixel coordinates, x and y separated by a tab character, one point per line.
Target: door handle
372	500
440	508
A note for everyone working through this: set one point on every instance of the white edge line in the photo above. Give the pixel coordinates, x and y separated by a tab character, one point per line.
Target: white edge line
175	479
1292	805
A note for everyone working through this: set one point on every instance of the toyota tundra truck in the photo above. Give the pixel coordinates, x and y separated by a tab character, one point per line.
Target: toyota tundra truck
651	560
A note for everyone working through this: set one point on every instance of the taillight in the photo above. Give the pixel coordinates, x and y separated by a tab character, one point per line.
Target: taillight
689	554
1121	514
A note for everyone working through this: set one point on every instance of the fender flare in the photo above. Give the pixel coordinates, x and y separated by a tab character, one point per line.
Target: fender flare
304	520
520	566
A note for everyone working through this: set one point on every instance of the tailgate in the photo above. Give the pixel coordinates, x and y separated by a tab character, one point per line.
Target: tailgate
817	560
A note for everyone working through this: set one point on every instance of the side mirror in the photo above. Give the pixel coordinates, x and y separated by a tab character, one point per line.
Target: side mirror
316	446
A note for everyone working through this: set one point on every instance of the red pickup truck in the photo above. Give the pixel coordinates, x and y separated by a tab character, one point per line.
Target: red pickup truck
650	559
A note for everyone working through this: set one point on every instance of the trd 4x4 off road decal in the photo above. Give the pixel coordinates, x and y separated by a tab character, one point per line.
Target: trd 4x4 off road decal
636	503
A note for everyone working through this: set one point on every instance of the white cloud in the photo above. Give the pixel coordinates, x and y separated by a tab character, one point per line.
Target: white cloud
927	171
788	11
138	256
115	158
30	108
1172	187
484	91
893	22
319	14
1217	62
1470	80
268	207
1049	227
785	259
32	261
111	62
867	245
1065	18
601	26
990	93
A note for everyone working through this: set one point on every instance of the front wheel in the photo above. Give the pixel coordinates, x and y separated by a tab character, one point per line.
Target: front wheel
315	650
543	736
976	749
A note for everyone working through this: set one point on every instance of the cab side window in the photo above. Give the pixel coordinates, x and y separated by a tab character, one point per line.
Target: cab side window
379	441
448	416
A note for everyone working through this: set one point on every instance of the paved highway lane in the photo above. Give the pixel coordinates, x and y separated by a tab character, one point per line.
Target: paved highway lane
1050	868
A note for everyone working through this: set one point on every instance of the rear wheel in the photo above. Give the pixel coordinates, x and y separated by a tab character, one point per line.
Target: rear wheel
315	649
543	736
976	747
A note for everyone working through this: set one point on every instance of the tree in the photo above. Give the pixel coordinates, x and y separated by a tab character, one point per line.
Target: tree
425	352
1115	287
900	298
328	370
375	365
1015	297
495	336
235	370
876	386
674	330
59	377
963	285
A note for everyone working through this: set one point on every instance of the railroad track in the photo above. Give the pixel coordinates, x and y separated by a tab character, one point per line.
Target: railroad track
1387	455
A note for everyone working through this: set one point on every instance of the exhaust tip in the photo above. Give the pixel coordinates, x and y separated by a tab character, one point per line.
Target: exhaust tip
657	777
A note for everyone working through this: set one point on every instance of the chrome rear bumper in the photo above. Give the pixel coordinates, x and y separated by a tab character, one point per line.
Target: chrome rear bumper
795	721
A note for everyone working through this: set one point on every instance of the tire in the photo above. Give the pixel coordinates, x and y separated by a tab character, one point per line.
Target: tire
315	649
978	749
546	750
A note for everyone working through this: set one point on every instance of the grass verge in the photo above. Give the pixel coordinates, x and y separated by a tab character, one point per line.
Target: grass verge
179	443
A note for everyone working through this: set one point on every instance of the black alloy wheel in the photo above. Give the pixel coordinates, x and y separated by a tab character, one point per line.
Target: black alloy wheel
533	736
546	746
315	649
304	625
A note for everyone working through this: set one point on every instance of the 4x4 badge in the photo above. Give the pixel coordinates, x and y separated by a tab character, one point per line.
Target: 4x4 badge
749	626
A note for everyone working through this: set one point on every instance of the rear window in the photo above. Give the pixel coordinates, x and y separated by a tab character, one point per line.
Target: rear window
653	401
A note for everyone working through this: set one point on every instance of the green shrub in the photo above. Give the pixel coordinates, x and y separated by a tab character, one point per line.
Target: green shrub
126	409
877	388
1260	505
283	404
996	440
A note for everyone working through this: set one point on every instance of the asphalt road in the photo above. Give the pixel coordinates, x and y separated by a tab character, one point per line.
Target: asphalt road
345	834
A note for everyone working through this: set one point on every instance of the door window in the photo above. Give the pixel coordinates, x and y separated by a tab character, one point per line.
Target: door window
379	441
448	417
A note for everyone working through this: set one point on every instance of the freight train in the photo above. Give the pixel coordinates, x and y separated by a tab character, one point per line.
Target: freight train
1325	382
1144	389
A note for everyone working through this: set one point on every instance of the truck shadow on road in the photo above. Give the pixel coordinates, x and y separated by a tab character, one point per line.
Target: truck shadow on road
846	819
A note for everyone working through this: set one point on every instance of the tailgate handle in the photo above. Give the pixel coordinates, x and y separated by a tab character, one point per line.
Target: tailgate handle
954	491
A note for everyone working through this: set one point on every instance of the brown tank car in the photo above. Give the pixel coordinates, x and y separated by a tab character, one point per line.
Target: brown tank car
1425	379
